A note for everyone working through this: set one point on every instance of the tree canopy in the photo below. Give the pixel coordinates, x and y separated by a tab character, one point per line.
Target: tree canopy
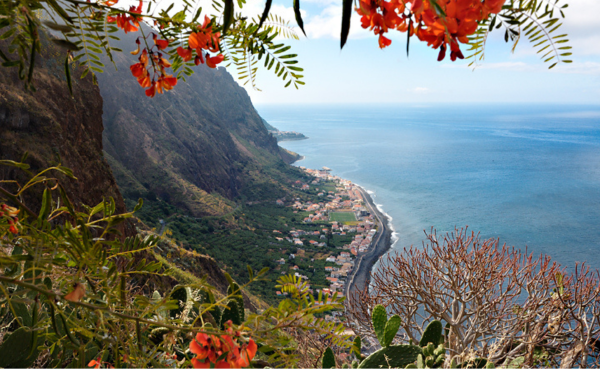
183	35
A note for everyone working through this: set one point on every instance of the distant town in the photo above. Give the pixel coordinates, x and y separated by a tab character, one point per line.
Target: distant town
341	214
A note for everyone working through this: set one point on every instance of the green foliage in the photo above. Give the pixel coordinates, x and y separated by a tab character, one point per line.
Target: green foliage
87	30
535	20
71	293
249	45
328	359
432	334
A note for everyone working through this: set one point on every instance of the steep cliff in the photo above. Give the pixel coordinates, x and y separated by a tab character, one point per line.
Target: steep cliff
197	147
55	127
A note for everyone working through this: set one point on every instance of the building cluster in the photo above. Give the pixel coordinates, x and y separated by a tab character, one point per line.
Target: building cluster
340	261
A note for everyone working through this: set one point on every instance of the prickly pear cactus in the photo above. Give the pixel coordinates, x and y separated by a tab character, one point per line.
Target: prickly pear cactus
209	298
233	312
385	329
22	313
433	334
379	318
355	349
431	357
392	357
181	295
328	359
390	330
235	293
15	351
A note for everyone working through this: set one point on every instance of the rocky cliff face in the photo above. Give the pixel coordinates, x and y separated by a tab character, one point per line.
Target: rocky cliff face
196	147
55	127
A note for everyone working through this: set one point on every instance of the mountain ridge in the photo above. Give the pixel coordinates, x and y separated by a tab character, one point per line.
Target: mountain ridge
199	147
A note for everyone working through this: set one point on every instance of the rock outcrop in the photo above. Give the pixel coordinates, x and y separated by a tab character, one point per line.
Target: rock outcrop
54	127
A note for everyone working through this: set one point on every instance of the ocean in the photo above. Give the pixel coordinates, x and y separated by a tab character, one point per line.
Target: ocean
526	174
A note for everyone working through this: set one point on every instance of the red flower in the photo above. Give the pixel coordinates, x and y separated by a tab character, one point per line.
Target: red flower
461	19
221	351
213	61
167	82
11	214
160	44
138	70
123	20
186	54
384	42
247	353
151	91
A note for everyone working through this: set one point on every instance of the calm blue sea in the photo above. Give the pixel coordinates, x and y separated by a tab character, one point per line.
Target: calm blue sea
528	174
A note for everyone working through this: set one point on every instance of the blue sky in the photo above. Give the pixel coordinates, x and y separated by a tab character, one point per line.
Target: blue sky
362	73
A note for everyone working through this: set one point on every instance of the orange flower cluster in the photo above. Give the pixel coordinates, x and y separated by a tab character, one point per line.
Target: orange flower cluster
420	17
98	363
222	351
153	59
10	214
150	69
202	39
126	22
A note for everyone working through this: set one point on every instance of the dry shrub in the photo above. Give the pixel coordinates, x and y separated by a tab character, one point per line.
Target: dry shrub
497	302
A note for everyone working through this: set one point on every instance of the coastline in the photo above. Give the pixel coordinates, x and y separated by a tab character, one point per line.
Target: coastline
361	273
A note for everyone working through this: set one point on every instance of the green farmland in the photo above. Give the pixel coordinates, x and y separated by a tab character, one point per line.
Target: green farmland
343	216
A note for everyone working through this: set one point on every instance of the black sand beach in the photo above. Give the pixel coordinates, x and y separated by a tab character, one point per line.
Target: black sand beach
360	276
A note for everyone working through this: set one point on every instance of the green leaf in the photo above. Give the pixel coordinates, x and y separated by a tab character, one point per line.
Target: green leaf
298	15
66	44
265	14
46	205
58	27
68	75
346	15
227	15
59	9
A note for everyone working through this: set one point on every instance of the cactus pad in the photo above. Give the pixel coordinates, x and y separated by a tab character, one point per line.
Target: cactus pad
433	334
392	356
328	359
379	318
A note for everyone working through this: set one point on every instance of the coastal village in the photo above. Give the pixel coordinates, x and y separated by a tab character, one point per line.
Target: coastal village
338	229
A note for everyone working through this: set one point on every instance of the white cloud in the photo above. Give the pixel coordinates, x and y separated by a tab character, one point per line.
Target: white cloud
328	24
579	68
420	90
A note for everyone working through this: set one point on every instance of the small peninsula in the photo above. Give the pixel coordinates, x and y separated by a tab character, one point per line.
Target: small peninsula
284	135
